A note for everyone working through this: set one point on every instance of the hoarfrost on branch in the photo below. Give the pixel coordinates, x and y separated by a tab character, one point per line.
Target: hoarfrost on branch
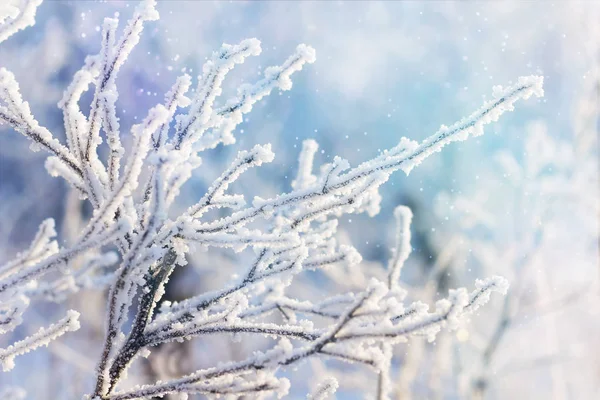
132	193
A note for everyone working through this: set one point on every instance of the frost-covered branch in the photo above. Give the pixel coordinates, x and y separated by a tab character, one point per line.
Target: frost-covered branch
16	113
290	233
15	17
42	337
324	390
357	326
91	275
405	156
40	248
11	313
60	258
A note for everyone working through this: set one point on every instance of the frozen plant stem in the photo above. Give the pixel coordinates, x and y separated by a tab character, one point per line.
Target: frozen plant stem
299	230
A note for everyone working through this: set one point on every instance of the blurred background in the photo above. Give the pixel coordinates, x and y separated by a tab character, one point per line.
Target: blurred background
520	201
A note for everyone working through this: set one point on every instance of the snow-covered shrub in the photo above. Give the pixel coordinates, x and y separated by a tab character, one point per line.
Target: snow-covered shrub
133	193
